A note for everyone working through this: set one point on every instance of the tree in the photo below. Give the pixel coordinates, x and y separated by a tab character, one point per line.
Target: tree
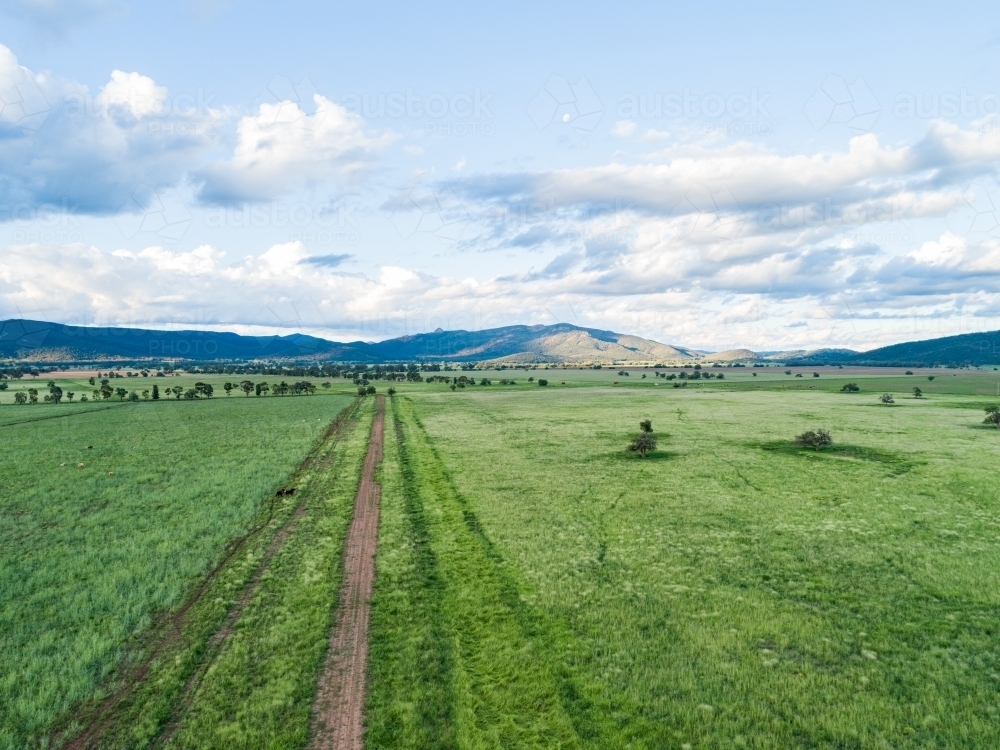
204	389
646	425
370	390
643	443
133	396
20	398
92	381
248	387
543	381
361	390
177	391
886	398
145	394
814	439
917	393
32	396
190	394
156	392
992	416
392	391
262	389
70	395
55	393
121	393
106	390
930	377
850	388
228	387
326	385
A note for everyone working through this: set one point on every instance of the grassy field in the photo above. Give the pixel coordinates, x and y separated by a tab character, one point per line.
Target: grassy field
546	588
91	556
538	585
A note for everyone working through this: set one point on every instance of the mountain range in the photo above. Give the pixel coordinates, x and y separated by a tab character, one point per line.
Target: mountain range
39	341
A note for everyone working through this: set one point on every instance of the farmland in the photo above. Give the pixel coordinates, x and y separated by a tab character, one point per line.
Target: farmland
537	585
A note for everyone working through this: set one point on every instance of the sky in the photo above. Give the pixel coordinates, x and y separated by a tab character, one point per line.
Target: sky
769	175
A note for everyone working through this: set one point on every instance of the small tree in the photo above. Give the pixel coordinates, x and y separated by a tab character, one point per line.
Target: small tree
392	391
646	425
814	439
228	387
20	398
370	390
177	391
121	393
543	381
156	392
70	395
917	393
247	387
850	388
992	416
886	398
643	443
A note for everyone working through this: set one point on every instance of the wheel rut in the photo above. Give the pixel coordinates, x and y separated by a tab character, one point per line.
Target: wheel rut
338	709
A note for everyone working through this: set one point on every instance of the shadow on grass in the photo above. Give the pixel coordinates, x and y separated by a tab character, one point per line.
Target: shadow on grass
894	462
626	455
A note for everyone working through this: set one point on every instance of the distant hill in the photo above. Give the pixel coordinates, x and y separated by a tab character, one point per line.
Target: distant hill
965	349
39	341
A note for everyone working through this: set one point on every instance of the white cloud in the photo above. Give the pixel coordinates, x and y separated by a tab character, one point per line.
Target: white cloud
282	147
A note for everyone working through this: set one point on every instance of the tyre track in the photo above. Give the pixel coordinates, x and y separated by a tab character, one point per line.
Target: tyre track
104	717
338	709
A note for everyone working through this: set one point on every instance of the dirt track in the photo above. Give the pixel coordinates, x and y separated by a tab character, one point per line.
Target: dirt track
338	710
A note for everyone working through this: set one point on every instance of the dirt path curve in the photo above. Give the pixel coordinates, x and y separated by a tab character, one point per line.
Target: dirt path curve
338	710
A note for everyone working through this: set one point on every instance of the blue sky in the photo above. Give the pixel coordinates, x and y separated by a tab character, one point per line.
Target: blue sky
768	176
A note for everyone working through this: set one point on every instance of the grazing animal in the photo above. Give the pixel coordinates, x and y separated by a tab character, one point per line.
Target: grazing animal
283	492
79	466
111	473
62	464
89	447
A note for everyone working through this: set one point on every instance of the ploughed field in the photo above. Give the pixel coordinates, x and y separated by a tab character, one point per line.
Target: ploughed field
536	584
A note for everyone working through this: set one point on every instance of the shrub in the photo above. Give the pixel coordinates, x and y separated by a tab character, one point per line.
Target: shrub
391	391
646	425
917	393
814	439
850	388
909	372
886	398
543	381
992	416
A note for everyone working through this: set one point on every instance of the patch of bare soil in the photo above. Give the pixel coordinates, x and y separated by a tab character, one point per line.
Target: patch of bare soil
338	710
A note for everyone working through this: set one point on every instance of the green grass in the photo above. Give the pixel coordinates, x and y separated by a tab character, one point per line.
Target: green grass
734	592
89	561
258	691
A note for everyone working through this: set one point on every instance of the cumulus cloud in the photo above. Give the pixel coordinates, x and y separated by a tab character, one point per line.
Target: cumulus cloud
66	147
282	147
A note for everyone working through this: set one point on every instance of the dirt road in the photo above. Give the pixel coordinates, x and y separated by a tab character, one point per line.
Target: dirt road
338	710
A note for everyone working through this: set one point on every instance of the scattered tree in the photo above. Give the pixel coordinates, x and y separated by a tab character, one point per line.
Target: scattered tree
992	416
886	398
392	391
646	425
543	381
917	393
32	396
850	388
145	394
177	391
930	377
156	392
70	395
228	387
121	393
815	439
20	398
248	387
643	443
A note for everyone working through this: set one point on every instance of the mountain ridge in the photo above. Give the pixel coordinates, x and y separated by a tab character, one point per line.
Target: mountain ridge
40	341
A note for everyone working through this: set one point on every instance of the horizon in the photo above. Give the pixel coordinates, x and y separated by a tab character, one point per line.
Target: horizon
266	180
